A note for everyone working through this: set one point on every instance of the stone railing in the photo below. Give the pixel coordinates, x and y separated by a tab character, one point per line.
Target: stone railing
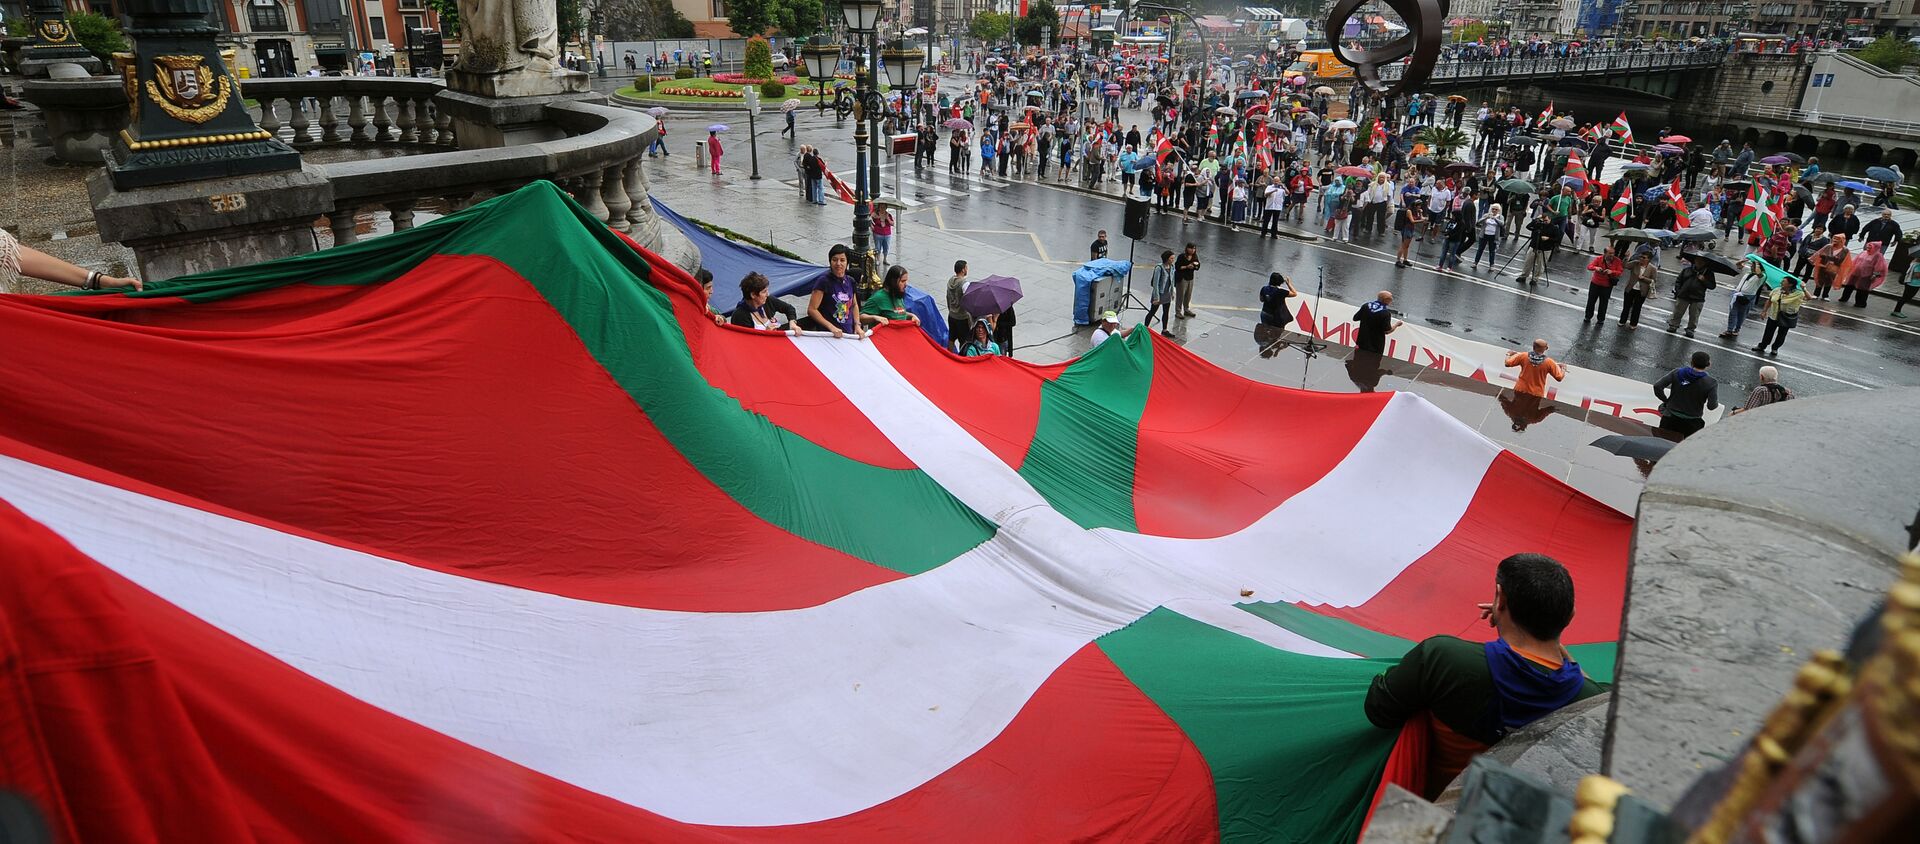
352	110
598	163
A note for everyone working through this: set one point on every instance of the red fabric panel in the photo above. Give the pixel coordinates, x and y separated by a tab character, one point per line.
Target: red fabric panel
159	727
396	418
92	730
1218	451
770	376
1518	508
1406	764
996	399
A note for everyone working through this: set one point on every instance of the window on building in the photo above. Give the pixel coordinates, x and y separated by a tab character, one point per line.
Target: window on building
414	21
267	16
378	25
719	8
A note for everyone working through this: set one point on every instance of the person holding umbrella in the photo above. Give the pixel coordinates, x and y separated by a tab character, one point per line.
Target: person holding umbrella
1641	273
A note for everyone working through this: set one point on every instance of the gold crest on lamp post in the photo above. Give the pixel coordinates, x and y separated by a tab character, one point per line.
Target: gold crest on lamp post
55	31
186	89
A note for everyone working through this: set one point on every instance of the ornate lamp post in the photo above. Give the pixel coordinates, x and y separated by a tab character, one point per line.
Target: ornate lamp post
53	40
821	60
863	18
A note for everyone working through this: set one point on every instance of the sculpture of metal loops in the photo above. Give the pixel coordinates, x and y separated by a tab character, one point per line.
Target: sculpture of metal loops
1422	41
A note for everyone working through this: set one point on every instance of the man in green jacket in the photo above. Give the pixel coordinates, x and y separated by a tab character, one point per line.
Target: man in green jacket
1478	692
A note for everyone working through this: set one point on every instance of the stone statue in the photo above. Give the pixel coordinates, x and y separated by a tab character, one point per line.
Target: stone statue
501	36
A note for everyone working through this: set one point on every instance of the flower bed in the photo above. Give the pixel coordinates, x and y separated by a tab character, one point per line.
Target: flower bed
709	93
742	79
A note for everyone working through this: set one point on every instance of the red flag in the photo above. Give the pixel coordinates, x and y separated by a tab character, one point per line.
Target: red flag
1622	129
1622	206
1679	202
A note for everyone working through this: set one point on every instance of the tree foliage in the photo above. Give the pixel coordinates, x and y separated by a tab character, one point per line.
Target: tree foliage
1470	31
643	20
748	18
1041	16
1888	54
800	18
759	64
449	13
99	34
1442	140
572	23
990	26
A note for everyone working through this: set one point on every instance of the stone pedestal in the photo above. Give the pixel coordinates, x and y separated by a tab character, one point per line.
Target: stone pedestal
190	227
484	122
35	65
84	117
53	42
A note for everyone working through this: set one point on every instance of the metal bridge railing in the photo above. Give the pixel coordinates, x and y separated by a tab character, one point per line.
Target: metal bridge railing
1837	121
1604	64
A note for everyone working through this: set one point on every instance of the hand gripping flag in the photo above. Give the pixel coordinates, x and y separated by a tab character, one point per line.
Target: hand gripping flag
660	606
1622	129
1679	199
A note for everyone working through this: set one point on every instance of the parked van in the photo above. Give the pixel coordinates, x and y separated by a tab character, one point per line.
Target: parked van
1321	64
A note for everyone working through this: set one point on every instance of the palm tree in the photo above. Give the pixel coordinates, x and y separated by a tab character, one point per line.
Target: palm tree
1442	140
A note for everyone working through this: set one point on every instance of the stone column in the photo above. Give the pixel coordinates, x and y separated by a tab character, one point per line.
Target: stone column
193	183
53	42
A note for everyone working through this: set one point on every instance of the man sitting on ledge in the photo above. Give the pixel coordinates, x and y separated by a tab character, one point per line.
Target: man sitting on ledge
1478	692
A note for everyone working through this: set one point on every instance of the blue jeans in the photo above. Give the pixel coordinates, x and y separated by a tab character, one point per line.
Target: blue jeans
884	242
1489	246
1737	315
816	191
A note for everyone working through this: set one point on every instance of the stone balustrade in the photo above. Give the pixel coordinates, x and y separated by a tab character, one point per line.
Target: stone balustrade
598	163
352	110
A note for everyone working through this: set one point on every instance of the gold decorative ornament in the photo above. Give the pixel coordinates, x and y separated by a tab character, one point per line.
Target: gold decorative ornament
197	140
1594	801
55	31
185	88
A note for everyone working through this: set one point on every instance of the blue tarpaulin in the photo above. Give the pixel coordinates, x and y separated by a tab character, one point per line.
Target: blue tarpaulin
1083	280
730	261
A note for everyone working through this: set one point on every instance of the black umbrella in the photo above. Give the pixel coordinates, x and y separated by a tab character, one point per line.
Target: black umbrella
1718	260
1650	449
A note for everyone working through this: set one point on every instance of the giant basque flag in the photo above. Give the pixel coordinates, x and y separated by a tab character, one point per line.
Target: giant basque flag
484	531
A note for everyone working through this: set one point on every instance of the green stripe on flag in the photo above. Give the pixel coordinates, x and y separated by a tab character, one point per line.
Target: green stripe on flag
1083	450
1292	754
1596	659
588	275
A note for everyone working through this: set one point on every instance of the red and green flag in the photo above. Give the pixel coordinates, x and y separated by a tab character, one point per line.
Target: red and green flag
1757	216
1622	207
460	533
1678	197
1622	129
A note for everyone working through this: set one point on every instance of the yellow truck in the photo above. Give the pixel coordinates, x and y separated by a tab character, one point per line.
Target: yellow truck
1320	64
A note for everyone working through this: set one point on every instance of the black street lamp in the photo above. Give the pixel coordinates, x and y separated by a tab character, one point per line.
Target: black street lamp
902	67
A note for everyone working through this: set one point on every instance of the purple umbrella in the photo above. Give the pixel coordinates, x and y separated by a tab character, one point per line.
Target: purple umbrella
957	123
991	295
1776	159
717	127
1668	149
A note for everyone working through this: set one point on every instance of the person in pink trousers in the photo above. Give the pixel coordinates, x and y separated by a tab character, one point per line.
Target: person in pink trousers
714	151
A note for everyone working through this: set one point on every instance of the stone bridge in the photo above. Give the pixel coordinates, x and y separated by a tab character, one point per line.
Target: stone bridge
1870	140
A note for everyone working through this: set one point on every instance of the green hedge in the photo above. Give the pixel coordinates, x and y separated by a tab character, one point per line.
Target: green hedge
772	89
683	72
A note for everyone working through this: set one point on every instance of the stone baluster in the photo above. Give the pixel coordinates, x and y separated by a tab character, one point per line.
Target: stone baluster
401	211
382	125
343	225
302	127
644	224
403	120
613	192
423	121
269	117
329	121
443	122
586	191
357	118
457	202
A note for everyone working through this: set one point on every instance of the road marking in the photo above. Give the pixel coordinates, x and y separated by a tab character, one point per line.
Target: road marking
1359	250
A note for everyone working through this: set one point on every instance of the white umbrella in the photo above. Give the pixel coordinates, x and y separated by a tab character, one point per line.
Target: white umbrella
1226	111
1342	124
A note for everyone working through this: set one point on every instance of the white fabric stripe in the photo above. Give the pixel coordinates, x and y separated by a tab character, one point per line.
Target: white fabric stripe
1236	620
775	717
1416	470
